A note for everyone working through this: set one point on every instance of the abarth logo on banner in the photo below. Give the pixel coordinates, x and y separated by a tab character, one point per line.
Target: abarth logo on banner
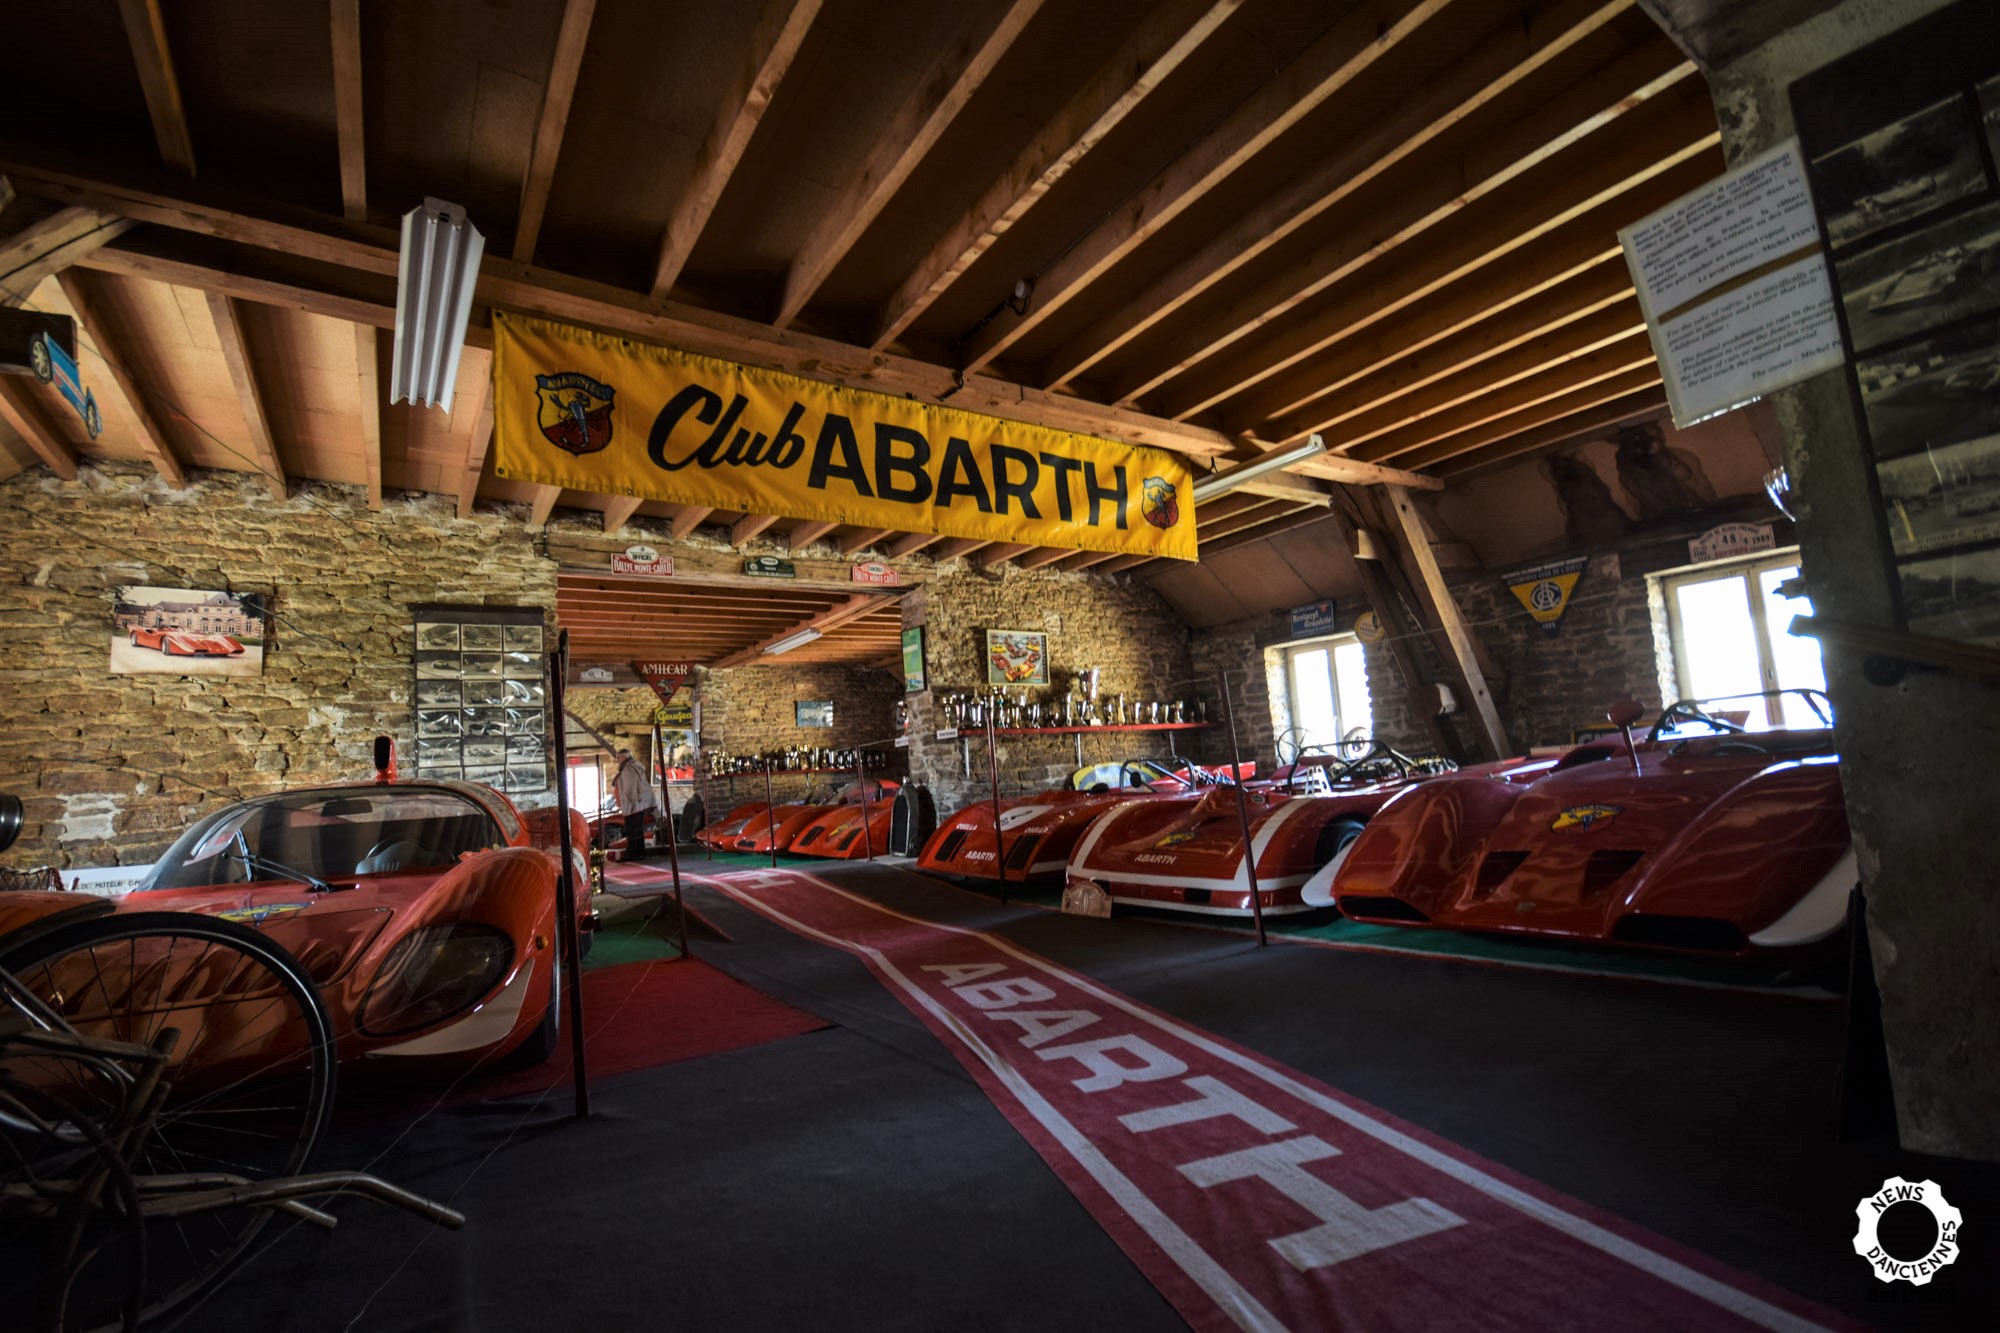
589	412
1545	589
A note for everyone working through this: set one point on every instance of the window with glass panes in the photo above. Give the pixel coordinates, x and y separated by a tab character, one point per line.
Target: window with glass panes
1328	680
1729	627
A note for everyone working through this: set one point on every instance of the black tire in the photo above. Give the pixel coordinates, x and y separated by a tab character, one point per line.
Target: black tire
227	1105
1336	838
542	1043
39	362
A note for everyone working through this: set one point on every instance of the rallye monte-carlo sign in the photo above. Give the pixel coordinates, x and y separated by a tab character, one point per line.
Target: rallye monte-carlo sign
590	412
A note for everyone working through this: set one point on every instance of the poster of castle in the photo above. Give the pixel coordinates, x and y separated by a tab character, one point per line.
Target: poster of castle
185	632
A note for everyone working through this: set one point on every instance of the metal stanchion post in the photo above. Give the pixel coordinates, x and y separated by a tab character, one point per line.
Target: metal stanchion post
673	842
568	946
771	813
861	780
1243	814
993	766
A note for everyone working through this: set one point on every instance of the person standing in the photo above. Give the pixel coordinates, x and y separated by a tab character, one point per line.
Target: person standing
634	794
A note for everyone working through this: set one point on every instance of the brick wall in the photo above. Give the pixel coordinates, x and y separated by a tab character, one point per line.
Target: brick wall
111	768
1121	627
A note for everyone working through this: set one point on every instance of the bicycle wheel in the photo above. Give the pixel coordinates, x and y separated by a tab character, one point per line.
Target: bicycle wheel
247	1090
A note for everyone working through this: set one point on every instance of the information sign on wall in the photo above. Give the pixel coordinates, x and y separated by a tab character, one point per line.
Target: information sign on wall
1544	590
1314	619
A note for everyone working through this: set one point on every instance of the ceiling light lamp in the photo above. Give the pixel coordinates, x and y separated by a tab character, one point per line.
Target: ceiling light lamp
434	281
791	641
1222	483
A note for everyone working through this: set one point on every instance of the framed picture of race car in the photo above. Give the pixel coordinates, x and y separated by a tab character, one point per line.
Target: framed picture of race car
1017	657
186	632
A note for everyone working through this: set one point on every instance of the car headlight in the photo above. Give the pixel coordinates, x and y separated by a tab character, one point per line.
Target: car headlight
432	974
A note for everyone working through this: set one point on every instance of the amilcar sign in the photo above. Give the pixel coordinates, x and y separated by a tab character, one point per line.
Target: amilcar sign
589	412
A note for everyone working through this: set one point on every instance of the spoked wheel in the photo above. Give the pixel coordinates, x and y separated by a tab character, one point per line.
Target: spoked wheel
246	1091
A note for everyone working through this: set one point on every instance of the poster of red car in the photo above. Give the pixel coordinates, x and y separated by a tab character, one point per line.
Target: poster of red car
185	632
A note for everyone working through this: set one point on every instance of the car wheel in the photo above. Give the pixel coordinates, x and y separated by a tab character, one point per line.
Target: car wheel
93	420
38	360
542	1042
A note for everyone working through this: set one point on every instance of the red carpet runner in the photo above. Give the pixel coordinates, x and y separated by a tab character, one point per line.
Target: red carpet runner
1251	1196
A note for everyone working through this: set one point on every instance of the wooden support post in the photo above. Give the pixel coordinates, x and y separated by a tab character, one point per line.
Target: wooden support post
1463	650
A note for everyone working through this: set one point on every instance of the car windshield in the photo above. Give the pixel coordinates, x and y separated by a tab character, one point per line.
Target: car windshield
330	834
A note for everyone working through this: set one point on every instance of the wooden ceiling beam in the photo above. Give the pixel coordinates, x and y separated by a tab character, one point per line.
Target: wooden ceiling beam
506	285
1119	563
1578	399
743	529
1270	527
146	30
687	520
1627	182
250	398
781	29
1276	512
983	37
1047	555
668	592
1429	195
542	503
805	534
1487	316
957	546
49	245
368	393
558	93
476	444
910	543
19	409
864	539
853	608
92	317
1522	47
1372	31
1461	387
1165	41
348	119
1081	560
995	554
1589	421
1621	359
620	510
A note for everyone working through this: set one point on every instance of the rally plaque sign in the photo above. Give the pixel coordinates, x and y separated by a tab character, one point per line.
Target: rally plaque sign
590	412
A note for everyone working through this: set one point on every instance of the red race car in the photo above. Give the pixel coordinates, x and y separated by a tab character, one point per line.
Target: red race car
852	828
177	643
758	827
1702	838
1188	853
1038	832
424	911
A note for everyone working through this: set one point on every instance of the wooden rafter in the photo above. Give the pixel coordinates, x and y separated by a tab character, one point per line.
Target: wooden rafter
743	529
995	554
480	400
911	543
1634	174
864	539
982	39
1269	527
146	30
1047	555
1580	399
1590	420
1079	560
1456	633
541	504
1431	195
1372	31
368	396
687	520
347	109
18	408
1158	47
781	29
557	95
620	510
1500	63
852	609
805	534
90	314
250	398
49	245
957	546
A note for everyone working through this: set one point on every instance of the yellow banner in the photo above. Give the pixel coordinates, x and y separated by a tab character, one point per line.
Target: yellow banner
589	412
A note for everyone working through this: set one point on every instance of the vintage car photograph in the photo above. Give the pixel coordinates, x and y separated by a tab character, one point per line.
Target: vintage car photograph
1701	837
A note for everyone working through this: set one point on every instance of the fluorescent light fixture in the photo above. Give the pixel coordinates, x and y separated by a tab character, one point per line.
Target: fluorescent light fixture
434	281
791	641
1222	483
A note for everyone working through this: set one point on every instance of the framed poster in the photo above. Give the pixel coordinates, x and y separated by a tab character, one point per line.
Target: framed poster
481	697
913	660
1900	137
186	632
1017	657
813	712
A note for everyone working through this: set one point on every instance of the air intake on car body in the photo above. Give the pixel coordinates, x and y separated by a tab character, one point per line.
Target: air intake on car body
1606	867
1493	871
1023	851
952	842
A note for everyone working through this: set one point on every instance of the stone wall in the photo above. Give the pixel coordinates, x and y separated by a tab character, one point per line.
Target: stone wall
750	709
111	768
1121	627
